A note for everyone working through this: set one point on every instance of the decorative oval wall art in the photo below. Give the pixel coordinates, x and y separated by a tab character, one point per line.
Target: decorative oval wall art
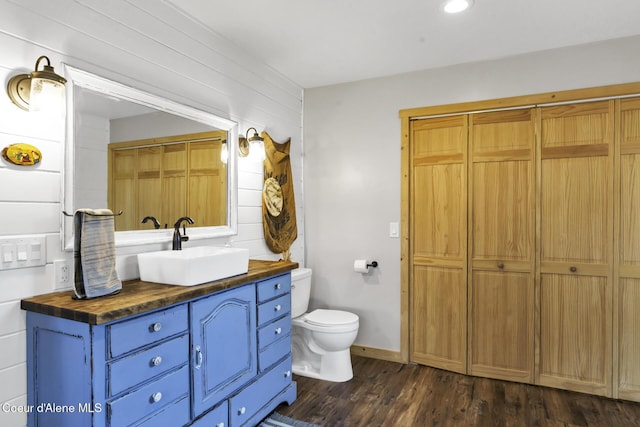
22	154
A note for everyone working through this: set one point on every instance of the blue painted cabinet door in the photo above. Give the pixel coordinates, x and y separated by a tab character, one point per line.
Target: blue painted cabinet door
224	355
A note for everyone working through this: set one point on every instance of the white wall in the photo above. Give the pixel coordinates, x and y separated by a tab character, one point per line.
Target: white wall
149	45
352	164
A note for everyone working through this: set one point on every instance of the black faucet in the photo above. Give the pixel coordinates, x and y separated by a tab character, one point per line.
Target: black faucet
156	224
177	237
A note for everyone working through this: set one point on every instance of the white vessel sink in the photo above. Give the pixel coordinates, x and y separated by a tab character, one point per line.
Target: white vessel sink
192	266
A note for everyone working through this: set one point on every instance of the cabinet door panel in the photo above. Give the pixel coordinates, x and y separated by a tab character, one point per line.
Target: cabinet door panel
224	354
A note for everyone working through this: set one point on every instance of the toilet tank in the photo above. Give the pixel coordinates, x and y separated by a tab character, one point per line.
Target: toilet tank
300	291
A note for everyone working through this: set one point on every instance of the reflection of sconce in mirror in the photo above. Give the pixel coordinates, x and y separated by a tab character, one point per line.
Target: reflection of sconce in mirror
252	146
39	90
224	152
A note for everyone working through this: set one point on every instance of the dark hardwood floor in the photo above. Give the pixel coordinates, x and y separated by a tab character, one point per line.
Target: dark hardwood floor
392	394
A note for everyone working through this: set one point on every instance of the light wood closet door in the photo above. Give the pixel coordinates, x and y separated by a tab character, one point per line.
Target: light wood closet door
501	242
576	228
438	242
627	301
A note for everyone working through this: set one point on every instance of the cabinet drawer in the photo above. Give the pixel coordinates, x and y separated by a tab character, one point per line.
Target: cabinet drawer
219	417
274	287
273	332
143	365
273	309
175	414
149	399
274	352
128	335
254	397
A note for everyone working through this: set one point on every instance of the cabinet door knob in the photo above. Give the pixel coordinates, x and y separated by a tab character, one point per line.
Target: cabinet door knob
500	265
156	327
287	374
156	361
242	410
277	307
278	331
278	286
198	357
573	269
156	397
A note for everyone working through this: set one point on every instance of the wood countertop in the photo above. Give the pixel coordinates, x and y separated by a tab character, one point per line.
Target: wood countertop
138	297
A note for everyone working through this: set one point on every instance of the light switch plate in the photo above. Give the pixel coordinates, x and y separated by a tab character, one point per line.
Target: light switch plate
394	229
22	251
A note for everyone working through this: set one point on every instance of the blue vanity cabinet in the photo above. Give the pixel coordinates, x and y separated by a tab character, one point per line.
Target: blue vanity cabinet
116	374
219	359
224	345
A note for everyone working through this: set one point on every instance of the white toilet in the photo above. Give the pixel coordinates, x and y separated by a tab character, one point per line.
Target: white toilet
321	339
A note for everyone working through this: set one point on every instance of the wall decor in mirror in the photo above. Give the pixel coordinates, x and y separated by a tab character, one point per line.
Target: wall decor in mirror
152	158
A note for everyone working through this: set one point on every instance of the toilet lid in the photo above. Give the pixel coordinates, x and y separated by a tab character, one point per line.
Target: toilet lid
322	317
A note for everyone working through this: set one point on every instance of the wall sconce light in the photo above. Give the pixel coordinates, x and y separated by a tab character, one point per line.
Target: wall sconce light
252	146
39	90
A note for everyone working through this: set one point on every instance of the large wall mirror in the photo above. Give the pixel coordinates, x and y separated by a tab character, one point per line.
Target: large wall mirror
148	157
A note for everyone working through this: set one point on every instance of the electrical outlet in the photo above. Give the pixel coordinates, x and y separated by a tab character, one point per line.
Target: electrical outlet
63	274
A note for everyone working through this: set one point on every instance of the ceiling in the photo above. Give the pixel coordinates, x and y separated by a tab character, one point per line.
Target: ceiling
317	43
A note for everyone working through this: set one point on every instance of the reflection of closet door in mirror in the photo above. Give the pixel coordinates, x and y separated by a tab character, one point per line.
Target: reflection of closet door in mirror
149	186
122	192
438	218
576	229
207	193
501	244
174	182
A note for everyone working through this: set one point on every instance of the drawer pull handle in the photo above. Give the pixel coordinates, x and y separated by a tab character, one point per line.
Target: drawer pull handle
198	357
278	331
500	265
573	269
278	286
156	397
287	374
242	410
156	361
277	307
156	327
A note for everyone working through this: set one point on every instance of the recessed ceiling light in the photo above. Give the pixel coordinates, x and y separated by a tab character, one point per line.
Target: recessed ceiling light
456	6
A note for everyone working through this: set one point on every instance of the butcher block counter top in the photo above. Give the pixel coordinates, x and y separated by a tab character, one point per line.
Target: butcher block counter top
138	297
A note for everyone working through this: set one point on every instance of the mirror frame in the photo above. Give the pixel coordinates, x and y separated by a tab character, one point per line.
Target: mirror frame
86	80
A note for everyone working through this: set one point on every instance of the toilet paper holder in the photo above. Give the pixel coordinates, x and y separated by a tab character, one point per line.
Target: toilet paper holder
373	264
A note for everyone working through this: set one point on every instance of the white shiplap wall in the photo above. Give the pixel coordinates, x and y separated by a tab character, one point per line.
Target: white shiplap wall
143	43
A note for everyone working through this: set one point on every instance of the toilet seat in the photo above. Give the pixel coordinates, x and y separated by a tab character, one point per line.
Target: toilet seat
328	321
321	317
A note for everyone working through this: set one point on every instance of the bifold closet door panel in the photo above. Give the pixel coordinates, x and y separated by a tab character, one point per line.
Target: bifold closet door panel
627	302
501	242
576	247
438	210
